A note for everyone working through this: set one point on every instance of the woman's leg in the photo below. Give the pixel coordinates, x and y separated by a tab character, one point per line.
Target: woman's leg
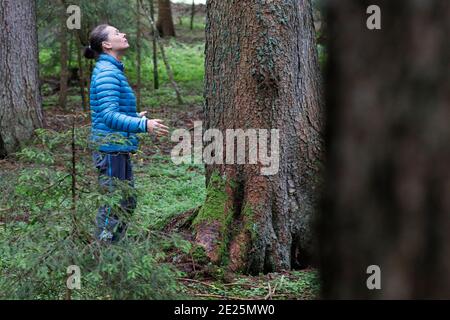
111	221
128	202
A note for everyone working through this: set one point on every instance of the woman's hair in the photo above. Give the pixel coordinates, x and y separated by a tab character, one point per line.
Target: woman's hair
97	36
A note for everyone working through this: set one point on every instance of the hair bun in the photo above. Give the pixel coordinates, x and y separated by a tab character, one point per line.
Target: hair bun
89	53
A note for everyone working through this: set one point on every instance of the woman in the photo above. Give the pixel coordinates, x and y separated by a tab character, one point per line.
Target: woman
115	123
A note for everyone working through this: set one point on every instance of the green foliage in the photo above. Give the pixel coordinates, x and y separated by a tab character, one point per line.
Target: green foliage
47	65
167	190
43	231
186	62
321	50
33	154
165	96
199	23
292	285
199	255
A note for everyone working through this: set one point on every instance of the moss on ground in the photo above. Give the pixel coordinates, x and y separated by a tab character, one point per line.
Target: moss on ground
301	285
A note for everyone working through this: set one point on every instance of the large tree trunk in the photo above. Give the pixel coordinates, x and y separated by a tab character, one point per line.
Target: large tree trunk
262	72
387	194
165	24
20	103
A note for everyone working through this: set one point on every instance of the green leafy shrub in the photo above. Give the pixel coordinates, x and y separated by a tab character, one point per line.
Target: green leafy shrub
45	228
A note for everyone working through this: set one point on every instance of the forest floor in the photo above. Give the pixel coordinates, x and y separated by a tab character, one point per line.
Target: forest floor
164	183
168	191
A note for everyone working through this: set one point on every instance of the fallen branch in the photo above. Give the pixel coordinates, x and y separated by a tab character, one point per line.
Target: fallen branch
271	293
246	285
198	281
220	296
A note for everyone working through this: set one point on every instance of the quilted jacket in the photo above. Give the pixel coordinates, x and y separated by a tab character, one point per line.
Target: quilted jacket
115	121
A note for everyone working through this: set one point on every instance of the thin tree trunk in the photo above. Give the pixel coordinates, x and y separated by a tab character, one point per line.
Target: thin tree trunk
155	49
166	61
387	194
165	24
138	60
262	72
88	68
20	101
88	80
82	79
63	58
192	14
69	61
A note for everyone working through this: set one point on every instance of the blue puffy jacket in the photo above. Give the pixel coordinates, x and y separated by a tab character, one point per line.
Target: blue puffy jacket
115	121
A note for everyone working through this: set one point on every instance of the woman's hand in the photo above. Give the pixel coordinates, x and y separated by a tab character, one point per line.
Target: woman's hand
154	126
141	114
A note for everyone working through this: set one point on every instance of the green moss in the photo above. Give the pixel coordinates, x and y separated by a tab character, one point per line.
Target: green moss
213	210
166	190
199	255
250	224
217	272
249	227
225	232
214	207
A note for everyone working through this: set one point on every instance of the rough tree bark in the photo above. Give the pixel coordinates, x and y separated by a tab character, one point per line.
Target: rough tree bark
20	102
165	24
262	72
387	192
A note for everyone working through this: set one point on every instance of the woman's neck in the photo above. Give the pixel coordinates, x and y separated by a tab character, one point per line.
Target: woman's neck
115	55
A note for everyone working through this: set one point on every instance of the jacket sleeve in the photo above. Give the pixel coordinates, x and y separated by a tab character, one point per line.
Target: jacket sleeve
108	94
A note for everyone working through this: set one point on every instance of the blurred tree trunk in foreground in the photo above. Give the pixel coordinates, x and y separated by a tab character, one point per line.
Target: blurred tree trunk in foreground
20	102
262	72
165	24
387	197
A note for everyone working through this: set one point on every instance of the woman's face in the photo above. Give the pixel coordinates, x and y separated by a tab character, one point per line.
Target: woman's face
116	40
